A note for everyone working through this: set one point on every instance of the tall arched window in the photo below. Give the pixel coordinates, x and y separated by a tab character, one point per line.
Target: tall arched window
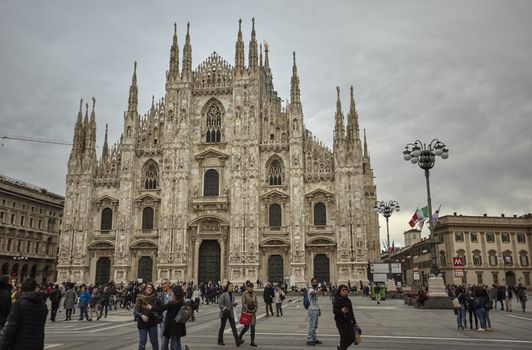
150	173
107	219
147	218
477	257
320	214
275	215
275	172
214	124
507	258
211	183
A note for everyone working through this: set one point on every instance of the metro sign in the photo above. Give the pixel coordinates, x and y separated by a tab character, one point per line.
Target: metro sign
458	261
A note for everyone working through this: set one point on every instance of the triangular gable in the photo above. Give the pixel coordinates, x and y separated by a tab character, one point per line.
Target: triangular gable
147	198
275	193
319	191
211	153
106	199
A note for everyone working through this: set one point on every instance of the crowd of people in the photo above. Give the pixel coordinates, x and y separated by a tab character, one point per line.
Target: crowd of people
477	302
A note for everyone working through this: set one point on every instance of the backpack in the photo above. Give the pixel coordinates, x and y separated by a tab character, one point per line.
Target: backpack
185	313
306	300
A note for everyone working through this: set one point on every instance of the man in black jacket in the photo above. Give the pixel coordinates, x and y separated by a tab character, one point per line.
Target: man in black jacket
55	298
5	300
25	325
268	295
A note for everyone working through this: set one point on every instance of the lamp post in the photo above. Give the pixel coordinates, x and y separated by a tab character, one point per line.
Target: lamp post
387	209
425	156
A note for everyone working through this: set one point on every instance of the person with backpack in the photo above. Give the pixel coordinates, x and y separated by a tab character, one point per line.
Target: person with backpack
278	298
314	311
173	331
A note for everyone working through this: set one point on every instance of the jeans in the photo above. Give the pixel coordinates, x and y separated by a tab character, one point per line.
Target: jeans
472	315
104	308
245	329
143	338
313	316
83	311
480	313
269	307
460	316
279	309
174	342
222	328
53	313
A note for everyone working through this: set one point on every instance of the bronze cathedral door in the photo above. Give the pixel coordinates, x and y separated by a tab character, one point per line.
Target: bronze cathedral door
209	262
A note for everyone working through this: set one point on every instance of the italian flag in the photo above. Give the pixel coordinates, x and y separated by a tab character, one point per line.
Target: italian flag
419	215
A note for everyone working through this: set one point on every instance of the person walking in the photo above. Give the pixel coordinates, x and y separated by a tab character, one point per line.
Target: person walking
494	291
278	298
55	299
84	299
268	295
24	328
314	311
521	296
146	319
70	301
5	300
249	304
508	295
344	317
94	304
500	296
226	305
105	299
172	331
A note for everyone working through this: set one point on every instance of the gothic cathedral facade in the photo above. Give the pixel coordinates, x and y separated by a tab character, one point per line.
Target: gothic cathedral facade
219	181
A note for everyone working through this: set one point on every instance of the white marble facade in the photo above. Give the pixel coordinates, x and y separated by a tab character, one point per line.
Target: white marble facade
219	180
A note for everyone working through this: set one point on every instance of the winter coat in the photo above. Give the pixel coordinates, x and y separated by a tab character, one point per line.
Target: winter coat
140	309
70	299
226	302
24	329
277	296
339	303
171	327
268	295
55	296
84	298
250	305
5	302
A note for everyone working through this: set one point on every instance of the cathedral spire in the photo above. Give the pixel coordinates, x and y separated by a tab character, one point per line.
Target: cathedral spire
133	91
260	57
239	50
253	57
187	57
339	131
366	154
78	127
353	132
295	95
173	70
105	148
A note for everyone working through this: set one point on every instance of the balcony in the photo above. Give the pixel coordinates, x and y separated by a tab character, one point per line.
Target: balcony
274	230
319	230
150	233
210	203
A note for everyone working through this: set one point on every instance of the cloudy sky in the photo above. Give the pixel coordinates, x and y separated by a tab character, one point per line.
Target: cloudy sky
459	71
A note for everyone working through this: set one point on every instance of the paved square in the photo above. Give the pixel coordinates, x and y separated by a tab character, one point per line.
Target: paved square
391	325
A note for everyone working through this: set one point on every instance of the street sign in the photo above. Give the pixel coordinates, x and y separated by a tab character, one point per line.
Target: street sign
384	268
458	272
379	277
458	261
415	268
416	276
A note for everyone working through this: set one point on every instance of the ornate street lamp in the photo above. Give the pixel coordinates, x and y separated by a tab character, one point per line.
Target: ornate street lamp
425	156
387	209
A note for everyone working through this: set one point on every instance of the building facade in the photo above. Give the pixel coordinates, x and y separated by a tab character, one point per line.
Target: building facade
30	219
494	250
218	181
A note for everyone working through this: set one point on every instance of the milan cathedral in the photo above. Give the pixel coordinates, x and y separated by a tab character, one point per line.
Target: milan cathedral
219	180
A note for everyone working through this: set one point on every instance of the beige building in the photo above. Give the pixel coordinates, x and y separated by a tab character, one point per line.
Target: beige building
30	219
219	180
495	250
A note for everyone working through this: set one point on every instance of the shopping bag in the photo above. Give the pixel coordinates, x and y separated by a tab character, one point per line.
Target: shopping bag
358	333
245	318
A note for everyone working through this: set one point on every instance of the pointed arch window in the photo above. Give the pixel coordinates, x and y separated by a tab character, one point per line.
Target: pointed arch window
320	214
275	173
214	124
147	218
107	219
150	175
275	216
211	184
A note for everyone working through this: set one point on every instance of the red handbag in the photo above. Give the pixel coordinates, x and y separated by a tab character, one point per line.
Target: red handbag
245	318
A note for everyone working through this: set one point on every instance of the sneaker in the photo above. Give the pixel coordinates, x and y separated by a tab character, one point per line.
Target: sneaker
481	329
